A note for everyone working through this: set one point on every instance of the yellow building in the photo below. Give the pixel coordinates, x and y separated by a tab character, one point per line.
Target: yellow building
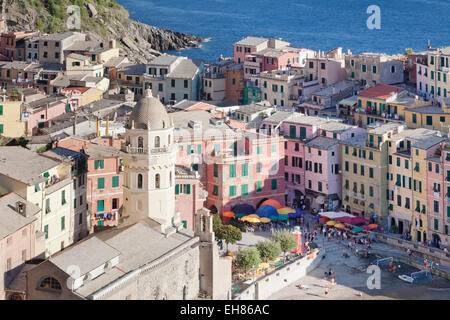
406	185
364	173
384	103
46	183
11	124
435	116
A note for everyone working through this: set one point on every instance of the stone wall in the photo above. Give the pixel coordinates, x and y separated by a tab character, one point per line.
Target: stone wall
280	278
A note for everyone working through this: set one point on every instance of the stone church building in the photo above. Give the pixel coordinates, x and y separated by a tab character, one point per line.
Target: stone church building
149	255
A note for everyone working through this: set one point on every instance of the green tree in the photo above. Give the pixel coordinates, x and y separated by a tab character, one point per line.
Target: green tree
287	240
408	51
229	234
248	258
268	250
217	222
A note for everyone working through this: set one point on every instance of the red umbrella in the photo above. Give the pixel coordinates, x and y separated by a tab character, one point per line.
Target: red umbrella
372	226
345	219
323	219
365	227
228	214
356	220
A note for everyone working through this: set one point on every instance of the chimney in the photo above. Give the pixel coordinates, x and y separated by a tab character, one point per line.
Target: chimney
21	208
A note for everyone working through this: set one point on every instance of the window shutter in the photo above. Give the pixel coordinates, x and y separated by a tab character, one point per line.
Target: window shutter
188	189
177	189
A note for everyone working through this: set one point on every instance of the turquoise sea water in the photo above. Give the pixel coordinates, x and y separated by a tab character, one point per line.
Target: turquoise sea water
315	24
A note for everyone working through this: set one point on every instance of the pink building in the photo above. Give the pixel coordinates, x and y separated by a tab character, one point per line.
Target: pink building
235	166
438	191
17	237
189	195
312	160
104	178
327	68
43	110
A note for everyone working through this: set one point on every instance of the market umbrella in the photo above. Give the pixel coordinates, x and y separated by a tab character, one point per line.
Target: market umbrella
266	211
273	218
365	227
271	202
228	214
285	210
264	220
253	216
372	226
240	215
357	220
331	223
323	219
251	220
244	208
339	225
316	217
283	217
345	219
357	229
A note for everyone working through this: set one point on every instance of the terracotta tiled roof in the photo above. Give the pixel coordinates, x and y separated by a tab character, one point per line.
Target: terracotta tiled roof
380	91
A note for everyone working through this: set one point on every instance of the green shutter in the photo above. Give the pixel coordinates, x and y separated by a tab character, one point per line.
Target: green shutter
1	110
115	181
274	184
232	191
258	186
177	189
100	205
302	133
188	189
199	149
232	170
100	183
245	169
96	164
244	190
63	223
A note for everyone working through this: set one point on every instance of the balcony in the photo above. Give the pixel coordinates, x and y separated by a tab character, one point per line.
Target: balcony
137	150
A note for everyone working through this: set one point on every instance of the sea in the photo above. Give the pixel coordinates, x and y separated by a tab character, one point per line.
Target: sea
315	24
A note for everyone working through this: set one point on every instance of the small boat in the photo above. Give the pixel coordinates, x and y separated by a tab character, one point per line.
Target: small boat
406	278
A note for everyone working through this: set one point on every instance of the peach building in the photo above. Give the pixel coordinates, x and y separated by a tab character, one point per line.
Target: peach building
17	237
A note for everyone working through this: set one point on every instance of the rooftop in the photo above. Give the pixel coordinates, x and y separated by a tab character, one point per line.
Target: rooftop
186	69
278	117
335	88
428	142
58	35
253	108
433	109
24	165
251	41
323	143
163	60
11	220
87	255
380	91
95	151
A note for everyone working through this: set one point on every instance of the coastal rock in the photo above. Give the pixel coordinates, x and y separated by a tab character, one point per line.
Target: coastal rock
140	42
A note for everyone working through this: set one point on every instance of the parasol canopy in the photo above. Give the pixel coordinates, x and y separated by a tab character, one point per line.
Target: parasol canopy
344	219
250	219
372	226
331	223
271	202
253	215
266	211
240	215
357	220
296	214
264	220
244	208
228	214
285	210
324	219
316	217
339	225
283	217
357	229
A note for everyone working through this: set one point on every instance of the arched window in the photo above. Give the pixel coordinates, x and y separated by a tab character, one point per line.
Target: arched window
140	179
157	181
157	142
140	144
50	283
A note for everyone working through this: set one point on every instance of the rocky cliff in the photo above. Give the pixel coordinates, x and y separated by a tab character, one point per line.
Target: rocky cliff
102	19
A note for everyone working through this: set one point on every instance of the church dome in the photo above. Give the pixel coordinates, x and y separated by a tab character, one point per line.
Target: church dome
149	114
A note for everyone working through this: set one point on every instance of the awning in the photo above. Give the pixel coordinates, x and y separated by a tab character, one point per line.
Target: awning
320	200
334	215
